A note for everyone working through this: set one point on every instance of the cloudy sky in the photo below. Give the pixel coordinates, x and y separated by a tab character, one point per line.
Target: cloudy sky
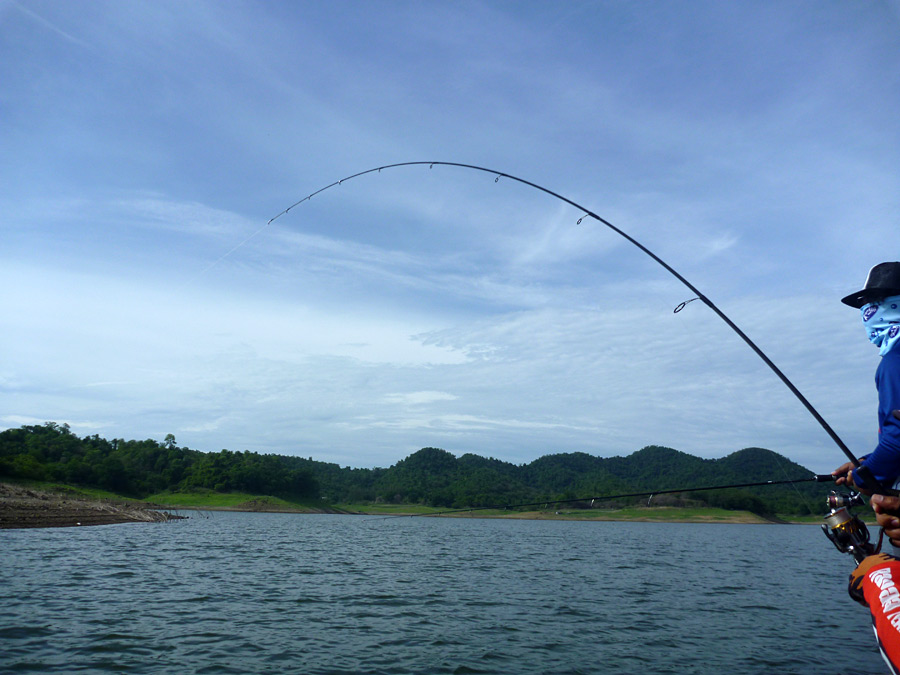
144	146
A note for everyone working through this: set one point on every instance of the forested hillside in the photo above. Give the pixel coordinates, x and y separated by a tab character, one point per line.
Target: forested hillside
431	476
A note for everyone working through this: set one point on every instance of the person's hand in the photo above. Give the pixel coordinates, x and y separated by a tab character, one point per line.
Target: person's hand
843	475
887	513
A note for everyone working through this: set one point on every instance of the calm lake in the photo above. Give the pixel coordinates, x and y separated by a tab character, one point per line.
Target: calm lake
273	593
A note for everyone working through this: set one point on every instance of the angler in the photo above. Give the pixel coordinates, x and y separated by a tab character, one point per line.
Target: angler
872	583
879	305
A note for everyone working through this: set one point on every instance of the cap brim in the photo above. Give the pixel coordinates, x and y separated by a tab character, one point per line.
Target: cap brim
857	299
865	296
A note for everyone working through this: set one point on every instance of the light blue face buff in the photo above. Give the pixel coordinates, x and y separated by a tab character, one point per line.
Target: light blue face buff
882	323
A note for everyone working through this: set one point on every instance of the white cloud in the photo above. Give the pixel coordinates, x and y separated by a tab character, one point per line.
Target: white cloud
419	398
21	420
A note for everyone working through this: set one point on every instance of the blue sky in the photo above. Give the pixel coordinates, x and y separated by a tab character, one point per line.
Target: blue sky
145	145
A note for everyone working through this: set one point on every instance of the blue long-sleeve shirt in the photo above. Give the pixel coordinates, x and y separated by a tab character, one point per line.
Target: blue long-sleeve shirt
884	460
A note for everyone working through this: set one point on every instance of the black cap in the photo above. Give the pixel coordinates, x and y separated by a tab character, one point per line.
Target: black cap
883	280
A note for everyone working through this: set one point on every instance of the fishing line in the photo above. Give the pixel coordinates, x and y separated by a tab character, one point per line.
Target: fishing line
818	478
222	257
590	214
803	498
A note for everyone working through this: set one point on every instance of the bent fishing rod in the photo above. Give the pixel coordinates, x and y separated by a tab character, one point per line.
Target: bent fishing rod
818	478
590	214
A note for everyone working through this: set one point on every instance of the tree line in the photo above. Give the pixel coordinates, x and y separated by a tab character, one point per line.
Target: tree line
51	452
431	476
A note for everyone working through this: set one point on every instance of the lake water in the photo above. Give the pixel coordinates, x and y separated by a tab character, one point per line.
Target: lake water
274	593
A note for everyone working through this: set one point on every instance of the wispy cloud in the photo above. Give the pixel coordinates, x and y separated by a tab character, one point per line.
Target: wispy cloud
50	25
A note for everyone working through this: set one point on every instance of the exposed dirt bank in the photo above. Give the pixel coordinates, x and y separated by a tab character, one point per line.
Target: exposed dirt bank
23	507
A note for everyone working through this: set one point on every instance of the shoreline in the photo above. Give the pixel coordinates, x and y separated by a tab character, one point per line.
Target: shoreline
22	507
651	515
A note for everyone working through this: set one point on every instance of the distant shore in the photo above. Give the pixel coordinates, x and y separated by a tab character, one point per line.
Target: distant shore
25	507
633	514
637	514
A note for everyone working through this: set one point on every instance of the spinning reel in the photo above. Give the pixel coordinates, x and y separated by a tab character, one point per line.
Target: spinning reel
847	531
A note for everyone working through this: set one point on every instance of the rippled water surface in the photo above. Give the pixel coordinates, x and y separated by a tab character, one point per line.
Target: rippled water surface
272	593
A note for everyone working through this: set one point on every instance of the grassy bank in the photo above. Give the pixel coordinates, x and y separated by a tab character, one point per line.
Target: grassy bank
238	501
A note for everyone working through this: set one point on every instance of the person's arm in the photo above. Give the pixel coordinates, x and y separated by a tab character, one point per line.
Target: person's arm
884	460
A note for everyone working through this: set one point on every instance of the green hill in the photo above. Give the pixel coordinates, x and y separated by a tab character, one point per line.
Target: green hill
431	476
